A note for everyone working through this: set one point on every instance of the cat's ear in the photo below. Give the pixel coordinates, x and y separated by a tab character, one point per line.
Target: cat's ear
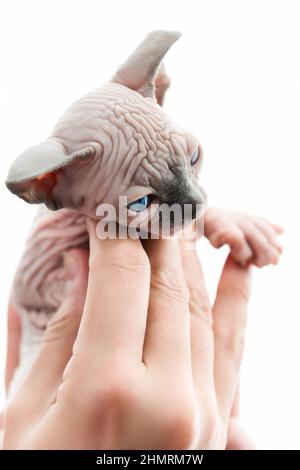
143	71
162	82
33	175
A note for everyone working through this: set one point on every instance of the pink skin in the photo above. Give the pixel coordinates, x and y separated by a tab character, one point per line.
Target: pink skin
250	238
115	141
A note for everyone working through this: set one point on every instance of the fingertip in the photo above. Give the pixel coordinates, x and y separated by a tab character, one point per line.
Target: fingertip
278	228
276	258
278	247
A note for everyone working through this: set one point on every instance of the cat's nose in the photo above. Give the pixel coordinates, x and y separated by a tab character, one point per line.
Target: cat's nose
185	192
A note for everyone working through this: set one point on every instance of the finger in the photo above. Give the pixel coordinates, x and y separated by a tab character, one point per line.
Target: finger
167	340
264	252
202	341
115	313
40	385
278	228
235	409
234	237
229	316
14	331
269	232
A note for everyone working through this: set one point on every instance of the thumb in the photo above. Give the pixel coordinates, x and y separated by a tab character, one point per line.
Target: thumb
56	349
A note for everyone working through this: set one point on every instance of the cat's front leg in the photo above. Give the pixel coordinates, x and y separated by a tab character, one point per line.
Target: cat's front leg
250	238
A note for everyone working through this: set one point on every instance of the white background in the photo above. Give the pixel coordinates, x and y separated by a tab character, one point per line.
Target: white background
236	84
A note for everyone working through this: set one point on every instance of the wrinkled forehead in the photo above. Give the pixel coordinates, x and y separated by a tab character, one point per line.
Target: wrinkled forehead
115	113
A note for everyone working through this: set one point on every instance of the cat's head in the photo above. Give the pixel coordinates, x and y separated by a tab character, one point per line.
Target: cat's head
116	141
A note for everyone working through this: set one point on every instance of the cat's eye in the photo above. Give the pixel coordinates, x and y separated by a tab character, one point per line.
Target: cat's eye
140	204
194	157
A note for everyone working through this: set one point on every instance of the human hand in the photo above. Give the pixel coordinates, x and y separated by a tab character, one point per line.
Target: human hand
218	333
142	371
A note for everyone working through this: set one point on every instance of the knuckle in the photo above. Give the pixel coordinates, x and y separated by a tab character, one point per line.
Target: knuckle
228	235
199	303
236	238
118	391
129	263
170	284
132	255
216	237
180	423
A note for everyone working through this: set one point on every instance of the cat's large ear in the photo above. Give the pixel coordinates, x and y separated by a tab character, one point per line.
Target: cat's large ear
33	175
143	71
162	82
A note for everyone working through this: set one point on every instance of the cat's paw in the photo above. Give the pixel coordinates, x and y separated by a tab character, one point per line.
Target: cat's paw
250	238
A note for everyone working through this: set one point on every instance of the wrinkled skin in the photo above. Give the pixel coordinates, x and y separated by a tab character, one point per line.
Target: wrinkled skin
117	140
137	149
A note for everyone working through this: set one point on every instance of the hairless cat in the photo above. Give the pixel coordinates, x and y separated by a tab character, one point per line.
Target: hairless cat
116	140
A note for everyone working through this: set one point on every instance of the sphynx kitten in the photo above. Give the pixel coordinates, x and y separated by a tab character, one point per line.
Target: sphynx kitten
117	140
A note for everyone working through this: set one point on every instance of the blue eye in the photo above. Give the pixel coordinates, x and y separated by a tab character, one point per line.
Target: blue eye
140	204
195	157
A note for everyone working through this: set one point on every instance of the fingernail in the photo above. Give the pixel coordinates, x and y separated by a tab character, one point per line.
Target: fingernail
70	265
